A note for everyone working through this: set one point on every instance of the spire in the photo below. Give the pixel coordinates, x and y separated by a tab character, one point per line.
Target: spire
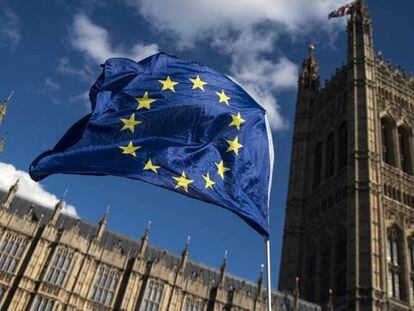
309	77
144	241
296	295
330	306
3	107
58	208
102	224
184	254
1	145
260	282
223	268
10	195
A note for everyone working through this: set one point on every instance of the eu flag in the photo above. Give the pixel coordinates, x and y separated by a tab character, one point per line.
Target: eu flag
176	124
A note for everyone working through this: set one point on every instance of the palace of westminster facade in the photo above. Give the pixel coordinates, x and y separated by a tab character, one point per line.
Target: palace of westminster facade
349	227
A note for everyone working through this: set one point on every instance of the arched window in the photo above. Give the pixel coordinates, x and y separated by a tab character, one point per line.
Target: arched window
343	146
330	155
317	165
395	267
405	152
388	144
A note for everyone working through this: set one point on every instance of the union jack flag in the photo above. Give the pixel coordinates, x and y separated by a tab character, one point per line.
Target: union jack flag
342	11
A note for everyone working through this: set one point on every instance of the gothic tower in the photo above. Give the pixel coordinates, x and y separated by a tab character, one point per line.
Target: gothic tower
349	216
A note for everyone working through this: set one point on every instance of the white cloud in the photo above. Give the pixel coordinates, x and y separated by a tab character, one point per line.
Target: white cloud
85	74
248	32
29	188
52	86
199	18
9	26
94	42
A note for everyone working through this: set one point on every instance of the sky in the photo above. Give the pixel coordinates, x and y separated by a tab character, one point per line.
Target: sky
50	54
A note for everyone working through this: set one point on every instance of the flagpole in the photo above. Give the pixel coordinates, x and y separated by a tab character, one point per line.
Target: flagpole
269	282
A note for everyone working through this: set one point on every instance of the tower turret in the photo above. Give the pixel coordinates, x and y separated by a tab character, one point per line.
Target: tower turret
58	209
102	224
10	195
309	77
144	241
184	254
223	268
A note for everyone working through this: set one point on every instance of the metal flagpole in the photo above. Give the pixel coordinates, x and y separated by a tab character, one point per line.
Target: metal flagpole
269	282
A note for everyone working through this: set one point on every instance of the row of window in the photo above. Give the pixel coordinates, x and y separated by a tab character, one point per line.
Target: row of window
397	99
104	286
396	265
325	204
319	265
396	143
152	300
397	195
334	143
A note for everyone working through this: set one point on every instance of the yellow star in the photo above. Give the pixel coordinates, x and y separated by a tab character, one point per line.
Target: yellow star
130	149
129	124
152	167
237	120
183	182
221	169
223	98
144	101
167	84
209	182
234	145
197	83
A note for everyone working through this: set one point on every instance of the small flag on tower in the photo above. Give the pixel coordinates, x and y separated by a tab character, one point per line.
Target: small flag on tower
342	11
176	124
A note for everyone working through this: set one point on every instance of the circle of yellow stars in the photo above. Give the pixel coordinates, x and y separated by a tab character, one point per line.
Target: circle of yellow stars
144	102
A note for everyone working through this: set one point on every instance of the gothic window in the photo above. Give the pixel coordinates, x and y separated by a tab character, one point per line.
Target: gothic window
330	155
317	165
193	304
104	286
388	144
343	145
11	251
405	154
59	269
153	296
394	263
44	304
411	265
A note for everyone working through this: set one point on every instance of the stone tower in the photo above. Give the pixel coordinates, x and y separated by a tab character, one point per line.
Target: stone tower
349	216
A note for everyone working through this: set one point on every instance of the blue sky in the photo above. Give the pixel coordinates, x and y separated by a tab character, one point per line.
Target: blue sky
50	54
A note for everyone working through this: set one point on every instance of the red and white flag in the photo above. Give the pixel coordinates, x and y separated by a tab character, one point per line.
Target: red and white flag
342	11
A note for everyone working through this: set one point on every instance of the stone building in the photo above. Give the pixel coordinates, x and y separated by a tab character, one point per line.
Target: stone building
52	261
349	221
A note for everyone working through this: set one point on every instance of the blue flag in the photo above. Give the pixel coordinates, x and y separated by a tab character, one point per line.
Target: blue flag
176	124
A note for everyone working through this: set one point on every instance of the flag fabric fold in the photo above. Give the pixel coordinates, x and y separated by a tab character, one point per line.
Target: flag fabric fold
342	11
176	124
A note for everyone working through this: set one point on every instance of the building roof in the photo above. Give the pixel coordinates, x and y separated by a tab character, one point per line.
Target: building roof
22	206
